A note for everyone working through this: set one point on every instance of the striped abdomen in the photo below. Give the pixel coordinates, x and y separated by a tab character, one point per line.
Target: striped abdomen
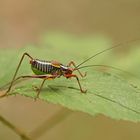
44	67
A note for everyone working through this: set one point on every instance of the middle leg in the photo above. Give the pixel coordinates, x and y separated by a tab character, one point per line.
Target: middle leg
73	75
72	63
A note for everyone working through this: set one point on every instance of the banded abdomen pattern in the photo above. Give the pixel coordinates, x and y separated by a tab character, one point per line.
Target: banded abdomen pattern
45	66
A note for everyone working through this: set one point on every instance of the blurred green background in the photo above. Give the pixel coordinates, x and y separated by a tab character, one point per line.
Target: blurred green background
29	22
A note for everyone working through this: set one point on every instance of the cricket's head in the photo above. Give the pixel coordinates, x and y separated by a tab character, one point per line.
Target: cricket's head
67	70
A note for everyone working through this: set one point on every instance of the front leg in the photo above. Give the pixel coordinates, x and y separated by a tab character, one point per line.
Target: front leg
73	75
72	63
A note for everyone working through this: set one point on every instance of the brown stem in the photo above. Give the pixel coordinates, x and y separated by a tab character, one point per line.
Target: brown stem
20	133
50	123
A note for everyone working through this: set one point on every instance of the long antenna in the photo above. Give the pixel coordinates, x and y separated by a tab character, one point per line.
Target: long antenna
107	66
117	45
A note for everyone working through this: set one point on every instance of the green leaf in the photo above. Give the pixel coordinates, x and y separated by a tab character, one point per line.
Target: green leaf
107	93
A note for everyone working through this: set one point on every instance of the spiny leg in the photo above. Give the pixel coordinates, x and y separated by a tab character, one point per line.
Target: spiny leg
73	75
72	63
25	54
44	77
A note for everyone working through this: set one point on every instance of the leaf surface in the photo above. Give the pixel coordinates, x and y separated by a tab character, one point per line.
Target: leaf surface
107	93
